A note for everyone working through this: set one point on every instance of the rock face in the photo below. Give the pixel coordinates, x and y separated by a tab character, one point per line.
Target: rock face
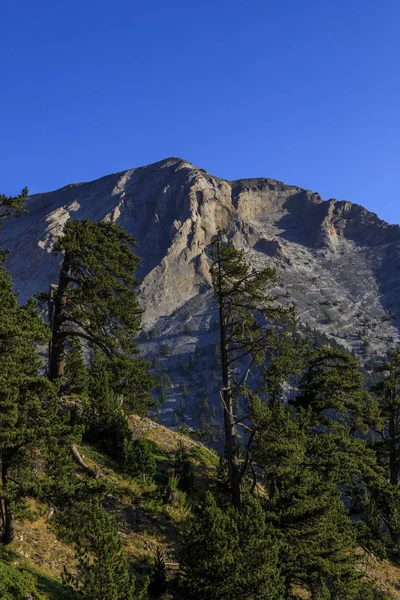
337	261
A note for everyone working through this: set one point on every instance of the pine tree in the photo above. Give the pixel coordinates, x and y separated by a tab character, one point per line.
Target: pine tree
158	583
16	584
142	461
102	571
332	381
183	466
388	393
246	307
28	405
75	369
230	554
11	205
96	300
299	473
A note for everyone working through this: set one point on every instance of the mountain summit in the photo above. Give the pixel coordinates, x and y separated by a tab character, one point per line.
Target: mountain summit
336	260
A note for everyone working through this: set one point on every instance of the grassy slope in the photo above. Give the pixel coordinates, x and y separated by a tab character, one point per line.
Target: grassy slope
145	522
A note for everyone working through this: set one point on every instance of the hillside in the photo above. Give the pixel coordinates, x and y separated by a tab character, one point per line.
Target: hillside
144	521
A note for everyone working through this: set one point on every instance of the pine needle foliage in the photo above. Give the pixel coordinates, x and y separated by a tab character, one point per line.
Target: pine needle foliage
10	206
230	554
96	301
388	394
28	403
247	306
76	376
103	571
332	381
299	479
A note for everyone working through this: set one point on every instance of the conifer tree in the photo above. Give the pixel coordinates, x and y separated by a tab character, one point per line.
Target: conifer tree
96	301
332	381
142	461
388	393
28	405
246	307
230	554
183	466
76	375
299	473
102	572
11	205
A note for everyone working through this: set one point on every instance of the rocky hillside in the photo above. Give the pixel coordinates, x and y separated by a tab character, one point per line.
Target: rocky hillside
337	261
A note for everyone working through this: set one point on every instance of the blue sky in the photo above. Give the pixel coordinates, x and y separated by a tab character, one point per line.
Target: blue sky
304	91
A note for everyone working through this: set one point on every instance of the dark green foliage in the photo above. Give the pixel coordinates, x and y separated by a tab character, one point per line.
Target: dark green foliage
183	466
142	461
333	381
371	529
28	402
158	581
247	306
388	393
16	584
96	300
164	349
76	376
203	411
230	554
300	473
179	414
11	205
103	572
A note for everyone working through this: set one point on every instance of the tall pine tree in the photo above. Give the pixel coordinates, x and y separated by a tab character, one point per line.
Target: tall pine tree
96	301
28	404
246	307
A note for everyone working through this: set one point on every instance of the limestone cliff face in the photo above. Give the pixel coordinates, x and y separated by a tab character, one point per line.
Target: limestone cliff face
337	261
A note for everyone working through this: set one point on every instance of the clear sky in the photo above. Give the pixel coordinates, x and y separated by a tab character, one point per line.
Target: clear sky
304	91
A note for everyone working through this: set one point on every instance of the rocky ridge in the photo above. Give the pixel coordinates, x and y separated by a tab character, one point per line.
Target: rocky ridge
339	262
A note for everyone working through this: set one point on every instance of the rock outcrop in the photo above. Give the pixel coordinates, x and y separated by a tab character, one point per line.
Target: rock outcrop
337	261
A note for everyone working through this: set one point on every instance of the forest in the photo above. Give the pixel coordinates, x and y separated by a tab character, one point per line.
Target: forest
304	495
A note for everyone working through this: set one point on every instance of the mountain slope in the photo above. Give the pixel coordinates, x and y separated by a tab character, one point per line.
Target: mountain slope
338	261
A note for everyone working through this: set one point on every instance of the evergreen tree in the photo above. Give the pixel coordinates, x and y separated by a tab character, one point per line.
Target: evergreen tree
11	205
142	460
332	386
158	583
28	405
388	393
16	584
102	571
75	369
230	554
246	306
299	472
96	300
183	466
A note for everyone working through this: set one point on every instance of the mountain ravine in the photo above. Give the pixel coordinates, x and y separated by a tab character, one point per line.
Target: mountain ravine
339	262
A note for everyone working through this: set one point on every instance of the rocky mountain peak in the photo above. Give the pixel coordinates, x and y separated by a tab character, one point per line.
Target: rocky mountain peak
335	258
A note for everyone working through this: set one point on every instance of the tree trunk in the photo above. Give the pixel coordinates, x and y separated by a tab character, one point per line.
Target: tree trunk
229	420
394	458
8	517
56	350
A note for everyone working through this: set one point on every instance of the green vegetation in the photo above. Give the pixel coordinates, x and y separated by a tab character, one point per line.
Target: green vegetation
305	494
